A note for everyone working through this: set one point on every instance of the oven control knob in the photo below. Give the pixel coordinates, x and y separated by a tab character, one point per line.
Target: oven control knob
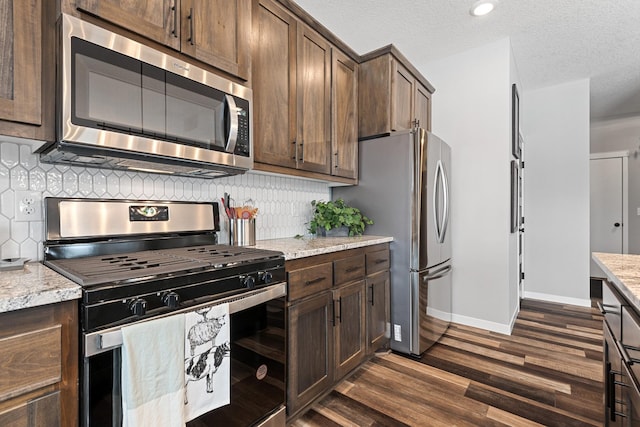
266	277
171	300
248	282
138	307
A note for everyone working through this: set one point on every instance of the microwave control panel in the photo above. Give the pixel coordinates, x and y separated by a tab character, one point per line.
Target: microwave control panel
243	144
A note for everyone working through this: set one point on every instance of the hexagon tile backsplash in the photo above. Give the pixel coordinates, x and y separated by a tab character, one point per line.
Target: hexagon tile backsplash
284	203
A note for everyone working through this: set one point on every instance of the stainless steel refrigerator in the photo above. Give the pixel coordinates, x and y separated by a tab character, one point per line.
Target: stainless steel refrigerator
404	186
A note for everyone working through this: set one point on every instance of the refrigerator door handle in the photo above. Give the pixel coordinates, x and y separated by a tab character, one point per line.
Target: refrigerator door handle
436	200
437	274
445	193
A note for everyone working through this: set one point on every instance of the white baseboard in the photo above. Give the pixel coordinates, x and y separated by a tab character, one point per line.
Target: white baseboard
485	324
557	298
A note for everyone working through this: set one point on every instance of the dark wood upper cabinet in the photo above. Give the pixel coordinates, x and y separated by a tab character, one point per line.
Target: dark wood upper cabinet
344	113
392	95
216	32
313	143
27	34
305	96
158	20
274	84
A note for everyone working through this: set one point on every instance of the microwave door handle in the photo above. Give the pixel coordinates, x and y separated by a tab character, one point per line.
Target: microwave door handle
232	110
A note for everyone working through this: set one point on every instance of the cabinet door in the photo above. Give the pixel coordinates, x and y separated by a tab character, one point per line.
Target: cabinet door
350	330
423	106
377	311
40	412
20	61
217	32
402	113
158	20
310	369
314	101
274	84
344	111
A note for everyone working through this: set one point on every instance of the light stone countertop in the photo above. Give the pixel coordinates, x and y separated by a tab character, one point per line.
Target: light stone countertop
34	285
37	284
294	248
623	270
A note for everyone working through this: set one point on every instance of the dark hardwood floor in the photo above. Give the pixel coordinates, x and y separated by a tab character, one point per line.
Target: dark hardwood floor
548	372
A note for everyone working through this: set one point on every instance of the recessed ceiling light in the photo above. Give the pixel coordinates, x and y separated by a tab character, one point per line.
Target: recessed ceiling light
482	7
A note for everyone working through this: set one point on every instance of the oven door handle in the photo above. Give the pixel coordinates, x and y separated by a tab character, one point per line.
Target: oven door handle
109	339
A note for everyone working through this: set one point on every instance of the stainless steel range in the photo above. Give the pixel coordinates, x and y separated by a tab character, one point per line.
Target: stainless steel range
142	260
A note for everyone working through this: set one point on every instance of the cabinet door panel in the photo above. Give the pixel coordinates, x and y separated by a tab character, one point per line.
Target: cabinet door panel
30	361
274	84
350	328
216	32
423	106
402	98
158	20
40	412
20	61
377	310
310	370
314	101
344	116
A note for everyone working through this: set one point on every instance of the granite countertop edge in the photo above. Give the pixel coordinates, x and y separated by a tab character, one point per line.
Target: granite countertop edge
294	248
34	285
623	270
37	285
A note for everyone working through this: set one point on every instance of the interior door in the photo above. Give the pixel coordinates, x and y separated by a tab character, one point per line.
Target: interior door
606	210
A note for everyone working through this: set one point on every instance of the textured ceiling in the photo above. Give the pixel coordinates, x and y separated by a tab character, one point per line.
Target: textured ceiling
553	41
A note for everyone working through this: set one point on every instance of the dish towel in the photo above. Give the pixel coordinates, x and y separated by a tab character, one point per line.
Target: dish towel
207	368
152	375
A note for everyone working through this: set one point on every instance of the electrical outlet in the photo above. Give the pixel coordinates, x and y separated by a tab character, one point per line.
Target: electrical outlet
28	206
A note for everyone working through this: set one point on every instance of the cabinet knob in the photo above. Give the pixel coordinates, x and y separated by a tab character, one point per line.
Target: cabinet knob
617	224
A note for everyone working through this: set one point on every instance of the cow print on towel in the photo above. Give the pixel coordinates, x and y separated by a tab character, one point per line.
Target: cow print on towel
206	364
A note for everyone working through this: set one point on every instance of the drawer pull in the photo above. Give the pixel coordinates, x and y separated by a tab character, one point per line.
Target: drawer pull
352	269
380	261
314	281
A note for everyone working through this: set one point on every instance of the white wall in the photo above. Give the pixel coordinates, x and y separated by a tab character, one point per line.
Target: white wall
472	113
555	125
620	135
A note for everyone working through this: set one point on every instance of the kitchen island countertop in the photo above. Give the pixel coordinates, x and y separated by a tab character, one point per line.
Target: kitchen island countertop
294	248
34	285
623	270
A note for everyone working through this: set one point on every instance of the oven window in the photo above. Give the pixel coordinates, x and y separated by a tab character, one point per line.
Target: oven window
257	367
114	92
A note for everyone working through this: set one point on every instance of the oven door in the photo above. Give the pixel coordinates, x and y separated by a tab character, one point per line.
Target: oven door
257	326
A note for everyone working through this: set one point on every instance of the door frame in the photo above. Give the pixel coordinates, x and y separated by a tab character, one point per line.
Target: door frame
624	155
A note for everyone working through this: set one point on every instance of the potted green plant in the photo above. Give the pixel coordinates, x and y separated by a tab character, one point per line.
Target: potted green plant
332	216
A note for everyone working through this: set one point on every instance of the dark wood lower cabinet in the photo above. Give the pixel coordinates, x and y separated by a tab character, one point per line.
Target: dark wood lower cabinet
377	310
39	366
350	328
338	315
310	362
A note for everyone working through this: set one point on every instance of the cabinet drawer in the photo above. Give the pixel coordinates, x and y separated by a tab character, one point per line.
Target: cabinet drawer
310	280
377	261
30	361
631	338
611	305
348	269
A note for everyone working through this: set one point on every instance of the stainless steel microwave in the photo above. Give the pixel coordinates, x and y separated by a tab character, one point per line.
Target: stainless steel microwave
124	105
